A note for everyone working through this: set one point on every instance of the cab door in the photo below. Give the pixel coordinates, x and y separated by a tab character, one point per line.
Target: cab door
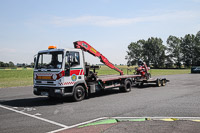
74	67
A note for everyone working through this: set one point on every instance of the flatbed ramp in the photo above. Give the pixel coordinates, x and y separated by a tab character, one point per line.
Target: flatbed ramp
105	78
158	81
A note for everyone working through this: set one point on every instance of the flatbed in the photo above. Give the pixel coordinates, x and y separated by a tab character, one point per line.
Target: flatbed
105	78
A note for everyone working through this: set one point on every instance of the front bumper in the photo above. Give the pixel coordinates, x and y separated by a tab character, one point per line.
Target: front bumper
52	91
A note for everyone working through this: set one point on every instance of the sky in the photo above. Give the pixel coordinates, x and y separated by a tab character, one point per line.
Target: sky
28	26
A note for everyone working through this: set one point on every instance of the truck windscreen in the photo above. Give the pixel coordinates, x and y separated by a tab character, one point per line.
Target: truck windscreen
50	60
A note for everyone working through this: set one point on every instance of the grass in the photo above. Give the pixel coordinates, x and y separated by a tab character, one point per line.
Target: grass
157	72
14	78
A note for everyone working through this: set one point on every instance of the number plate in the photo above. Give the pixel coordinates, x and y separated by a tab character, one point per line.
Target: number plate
44	93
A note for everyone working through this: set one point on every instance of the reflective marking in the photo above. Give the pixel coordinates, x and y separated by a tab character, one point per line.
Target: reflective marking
158	118
67	83
132	120
167	119
196	120
37	114
106	121
33	116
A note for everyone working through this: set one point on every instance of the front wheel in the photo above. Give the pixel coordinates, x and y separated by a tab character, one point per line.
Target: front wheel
79	93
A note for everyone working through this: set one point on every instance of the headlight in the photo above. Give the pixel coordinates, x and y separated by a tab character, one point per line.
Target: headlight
54	76
35	76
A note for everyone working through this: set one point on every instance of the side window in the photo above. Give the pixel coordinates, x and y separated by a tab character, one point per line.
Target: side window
76	58
72	59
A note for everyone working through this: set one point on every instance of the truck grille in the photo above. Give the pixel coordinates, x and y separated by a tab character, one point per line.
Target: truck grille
49	83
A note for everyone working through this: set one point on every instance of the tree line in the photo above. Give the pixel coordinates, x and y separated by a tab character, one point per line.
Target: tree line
179	52
11	64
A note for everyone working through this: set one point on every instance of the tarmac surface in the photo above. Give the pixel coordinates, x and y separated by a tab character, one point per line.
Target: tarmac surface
21	111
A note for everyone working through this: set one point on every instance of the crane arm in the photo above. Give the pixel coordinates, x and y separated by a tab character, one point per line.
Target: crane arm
87	48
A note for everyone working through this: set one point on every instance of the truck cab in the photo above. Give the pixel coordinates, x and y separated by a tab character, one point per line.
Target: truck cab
59	72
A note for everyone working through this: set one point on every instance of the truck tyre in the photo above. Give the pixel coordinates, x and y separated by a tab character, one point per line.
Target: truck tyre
158	82
79	93
126	87
163	82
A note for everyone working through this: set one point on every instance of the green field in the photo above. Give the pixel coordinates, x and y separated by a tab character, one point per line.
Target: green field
157	72
14	78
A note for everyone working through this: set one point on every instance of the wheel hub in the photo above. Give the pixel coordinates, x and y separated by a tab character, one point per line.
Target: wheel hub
79	93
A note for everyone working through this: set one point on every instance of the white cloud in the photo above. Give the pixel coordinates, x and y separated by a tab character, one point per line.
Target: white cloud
110	21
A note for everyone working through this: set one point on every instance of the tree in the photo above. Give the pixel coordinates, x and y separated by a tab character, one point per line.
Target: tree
188	50
198	35
32	64
154	52
197	49
134	52
1	64
11	64
174	50
184	50
151	51
168	62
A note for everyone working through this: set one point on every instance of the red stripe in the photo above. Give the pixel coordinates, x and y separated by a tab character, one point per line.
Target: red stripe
81	72
74	72
77	72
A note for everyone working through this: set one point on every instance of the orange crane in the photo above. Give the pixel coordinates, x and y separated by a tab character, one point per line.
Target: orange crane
88	48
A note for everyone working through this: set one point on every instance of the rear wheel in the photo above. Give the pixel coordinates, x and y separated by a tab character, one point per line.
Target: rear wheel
163	83
158	82
79	93
126	87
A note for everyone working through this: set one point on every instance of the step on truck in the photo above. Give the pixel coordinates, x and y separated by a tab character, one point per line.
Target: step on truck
64	72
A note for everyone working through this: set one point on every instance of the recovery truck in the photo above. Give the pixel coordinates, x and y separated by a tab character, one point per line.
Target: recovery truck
64	72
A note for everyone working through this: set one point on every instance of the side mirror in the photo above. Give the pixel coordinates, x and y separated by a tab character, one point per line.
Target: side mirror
34	59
